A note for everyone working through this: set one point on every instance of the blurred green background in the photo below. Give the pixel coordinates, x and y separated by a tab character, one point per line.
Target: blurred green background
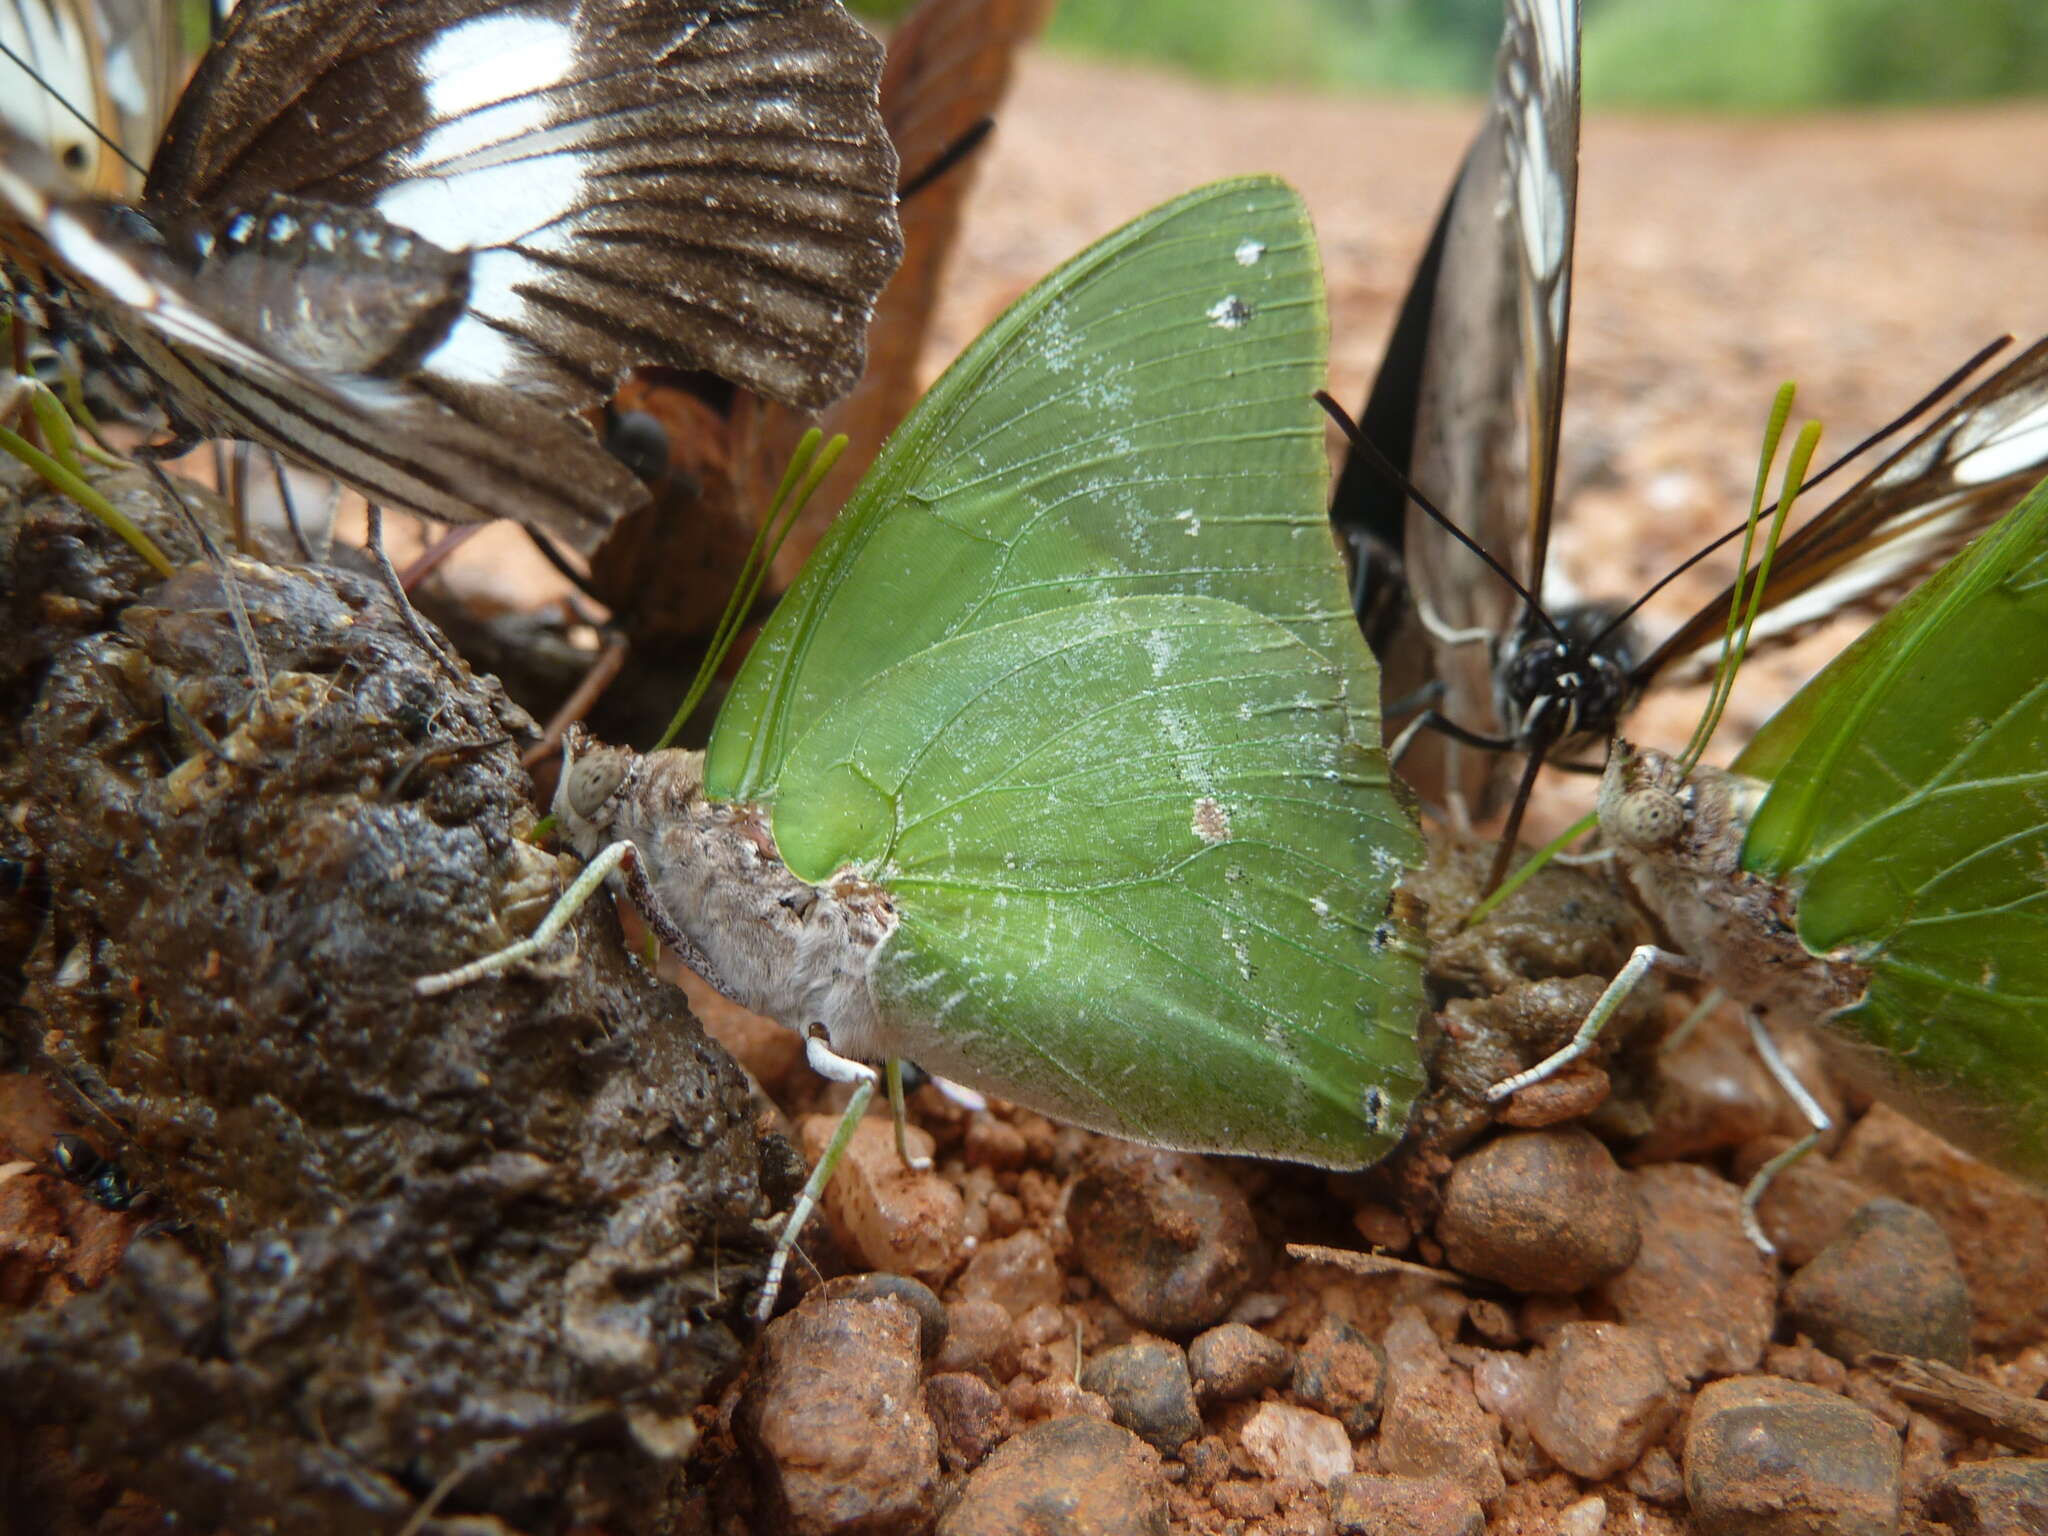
1754	55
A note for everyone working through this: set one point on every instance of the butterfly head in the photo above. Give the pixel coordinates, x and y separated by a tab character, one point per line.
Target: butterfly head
1644	798
594	783
1565	685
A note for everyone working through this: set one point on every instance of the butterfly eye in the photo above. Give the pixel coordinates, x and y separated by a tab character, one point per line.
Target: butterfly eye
1649	818
591	782
638	441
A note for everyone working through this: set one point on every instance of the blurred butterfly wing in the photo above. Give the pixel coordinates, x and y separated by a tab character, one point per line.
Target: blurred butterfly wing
145	64
396	443
705	185
1538	93
1368	509
116	61
1484	391
1908	811
1906	517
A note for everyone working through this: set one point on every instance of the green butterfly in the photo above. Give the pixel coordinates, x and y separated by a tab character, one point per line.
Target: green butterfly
1878	856
1058	771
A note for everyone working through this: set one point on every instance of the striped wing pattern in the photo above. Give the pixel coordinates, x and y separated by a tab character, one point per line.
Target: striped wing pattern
1905	518
1470	397
473	217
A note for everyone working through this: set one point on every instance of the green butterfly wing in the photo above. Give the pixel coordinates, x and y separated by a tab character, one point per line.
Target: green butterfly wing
1141	421
1075	678
1142	871
1909	810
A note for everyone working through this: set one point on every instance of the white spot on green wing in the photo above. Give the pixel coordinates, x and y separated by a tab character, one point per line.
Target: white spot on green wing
1229	313
1249	251
1211	822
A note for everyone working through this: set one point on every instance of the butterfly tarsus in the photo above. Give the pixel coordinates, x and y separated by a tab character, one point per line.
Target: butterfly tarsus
415	626
893	1071
827	1063
1639	964
1819	1122
231	586
566	906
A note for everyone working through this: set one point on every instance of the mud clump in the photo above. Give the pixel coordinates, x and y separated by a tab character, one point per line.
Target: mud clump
492	1245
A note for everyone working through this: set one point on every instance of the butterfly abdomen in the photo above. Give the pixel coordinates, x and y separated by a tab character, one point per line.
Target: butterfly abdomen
335	289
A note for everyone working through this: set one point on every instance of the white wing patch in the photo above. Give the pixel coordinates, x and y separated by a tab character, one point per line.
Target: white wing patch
2007	448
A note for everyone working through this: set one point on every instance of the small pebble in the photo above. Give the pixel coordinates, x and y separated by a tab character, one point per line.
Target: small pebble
1020	1271
1231	1361
1600	1398
1655	1478
1768	1457
833	1420
2006	1497
1066	1477
1169	1237
1492	1322
969	1415
993	1143
1243	1500
1432	1425
1056	1397
1148	1391
1285	1441
884	1214
1539	1211
1583	1517
878	1286
1697	1281
1998	1226
1889	1282
1362	1505
1343	1373
979	1337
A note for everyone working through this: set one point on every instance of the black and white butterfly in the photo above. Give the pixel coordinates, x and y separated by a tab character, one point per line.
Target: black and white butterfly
405	242
1467	406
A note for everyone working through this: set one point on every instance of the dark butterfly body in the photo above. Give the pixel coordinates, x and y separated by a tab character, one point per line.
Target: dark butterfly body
405	243
1467	407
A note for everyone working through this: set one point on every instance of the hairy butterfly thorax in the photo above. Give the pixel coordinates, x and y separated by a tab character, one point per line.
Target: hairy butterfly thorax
1678	843
781	946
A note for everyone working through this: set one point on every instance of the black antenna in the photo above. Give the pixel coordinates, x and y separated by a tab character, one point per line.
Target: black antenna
1912	413
966	144
58	96
1381	464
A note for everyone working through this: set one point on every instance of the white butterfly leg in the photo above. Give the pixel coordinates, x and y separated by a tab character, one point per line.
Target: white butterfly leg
830	1065
893	1069
1604	1007
1817	1119
566	906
